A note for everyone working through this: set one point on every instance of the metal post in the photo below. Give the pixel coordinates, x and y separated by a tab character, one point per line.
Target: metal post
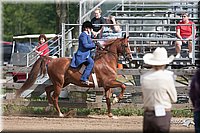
80	15
63	47
127	29
193	43
69	37
122	5
27	63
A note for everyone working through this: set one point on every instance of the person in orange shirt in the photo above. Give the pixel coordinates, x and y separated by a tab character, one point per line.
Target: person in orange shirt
184	32
42	49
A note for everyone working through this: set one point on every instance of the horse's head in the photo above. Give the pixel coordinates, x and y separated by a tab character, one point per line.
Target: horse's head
119	46
124	48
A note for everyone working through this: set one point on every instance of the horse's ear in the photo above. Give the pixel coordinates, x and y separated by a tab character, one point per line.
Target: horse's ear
124	35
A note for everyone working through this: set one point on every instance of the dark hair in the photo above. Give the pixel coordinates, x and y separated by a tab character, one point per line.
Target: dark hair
87	24
185	13
42	36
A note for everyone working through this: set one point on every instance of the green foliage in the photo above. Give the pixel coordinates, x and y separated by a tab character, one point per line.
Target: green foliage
33	18
182	113
128	112
14	110
28	19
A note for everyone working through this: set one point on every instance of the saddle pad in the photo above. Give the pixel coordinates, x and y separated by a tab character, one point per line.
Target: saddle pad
82	69
95	81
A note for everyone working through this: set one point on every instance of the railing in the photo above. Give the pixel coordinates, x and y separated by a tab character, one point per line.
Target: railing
32	57
164	32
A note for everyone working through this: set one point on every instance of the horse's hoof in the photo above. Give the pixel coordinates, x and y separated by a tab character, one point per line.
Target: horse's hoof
115	100
110	115
61	115
114	117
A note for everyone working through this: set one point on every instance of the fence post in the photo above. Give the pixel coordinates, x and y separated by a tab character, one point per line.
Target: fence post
193	43
63	47
69	37
99	96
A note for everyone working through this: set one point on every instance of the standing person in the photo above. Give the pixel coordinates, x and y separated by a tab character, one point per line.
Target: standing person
194	94
83	54
42	49
184	32
98	19
158	91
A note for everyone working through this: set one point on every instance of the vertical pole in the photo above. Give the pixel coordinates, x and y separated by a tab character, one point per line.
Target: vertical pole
193	43
127	29
80	15
122	5
63	47
27	64
69	37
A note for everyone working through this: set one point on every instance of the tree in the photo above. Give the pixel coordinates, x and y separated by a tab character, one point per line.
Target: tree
23	18
36	18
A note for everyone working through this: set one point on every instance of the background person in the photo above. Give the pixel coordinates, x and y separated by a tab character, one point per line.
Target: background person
42	48
194	94
98	19
158	91
184	32
83	54
112	31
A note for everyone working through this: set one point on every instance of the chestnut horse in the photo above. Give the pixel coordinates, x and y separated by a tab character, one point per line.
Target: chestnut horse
61	74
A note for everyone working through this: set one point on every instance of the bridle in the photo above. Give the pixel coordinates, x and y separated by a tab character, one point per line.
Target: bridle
124	53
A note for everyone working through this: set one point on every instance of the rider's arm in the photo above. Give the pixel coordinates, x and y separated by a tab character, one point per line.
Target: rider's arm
88	44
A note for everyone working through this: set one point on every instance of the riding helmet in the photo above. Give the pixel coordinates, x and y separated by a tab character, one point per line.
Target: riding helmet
87	24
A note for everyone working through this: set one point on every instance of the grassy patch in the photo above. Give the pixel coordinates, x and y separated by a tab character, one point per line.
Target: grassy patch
23	110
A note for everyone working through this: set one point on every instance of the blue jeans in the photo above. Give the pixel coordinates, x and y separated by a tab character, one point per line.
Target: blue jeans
89	66
197	121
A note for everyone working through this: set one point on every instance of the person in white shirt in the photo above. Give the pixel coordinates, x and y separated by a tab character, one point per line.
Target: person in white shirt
158	92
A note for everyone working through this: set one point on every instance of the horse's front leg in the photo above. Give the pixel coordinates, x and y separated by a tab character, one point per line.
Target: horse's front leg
108	94
48	90
114	84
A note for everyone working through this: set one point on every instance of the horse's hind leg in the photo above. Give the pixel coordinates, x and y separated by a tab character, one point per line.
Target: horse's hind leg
108	94
48	90
55	96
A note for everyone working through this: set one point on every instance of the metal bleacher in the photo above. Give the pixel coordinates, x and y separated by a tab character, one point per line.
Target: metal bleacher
152	24
149	24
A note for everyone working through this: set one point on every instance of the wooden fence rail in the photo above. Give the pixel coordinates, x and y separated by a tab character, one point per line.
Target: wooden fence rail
38	89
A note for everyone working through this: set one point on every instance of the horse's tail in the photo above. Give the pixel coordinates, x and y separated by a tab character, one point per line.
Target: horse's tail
38	66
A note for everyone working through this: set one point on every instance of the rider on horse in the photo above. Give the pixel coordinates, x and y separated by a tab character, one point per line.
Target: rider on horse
83	54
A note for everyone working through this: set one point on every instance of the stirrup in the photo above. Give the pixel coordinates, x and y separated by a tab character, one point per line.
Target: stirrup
87	82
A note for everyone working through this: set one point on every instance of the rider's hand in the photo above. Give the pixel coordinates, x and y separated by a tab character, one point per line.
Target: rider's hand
99	45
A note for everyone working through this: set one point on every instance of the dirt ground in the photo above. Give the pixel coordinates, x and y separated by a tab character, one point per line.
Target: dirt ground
81	124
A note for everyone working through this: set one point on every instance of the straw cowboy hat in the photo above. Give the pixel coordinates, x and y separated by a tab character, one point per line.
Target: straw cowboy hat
158	57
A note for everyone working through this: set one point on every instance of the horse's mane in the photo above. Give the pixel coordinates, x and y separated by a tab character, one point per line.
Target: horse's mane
101	52
109	42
